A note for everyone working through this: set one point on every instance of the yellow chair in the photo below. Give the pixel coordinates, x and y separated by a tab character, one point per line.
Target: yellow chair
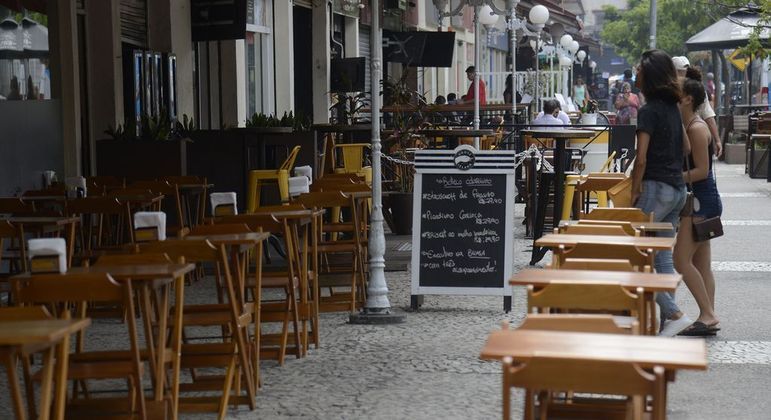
280	175
353	160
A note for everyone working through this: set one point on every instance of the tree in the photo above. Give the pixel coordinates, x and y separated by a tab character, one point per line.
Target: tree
678	20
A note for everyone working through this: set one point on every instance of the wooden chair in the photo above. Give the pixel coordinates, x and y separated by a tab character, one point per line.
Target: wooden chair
58	289
629	253
628	214
15	206
280	176
13	250
233	318
594	230
287	279
352	155
549	373
570	296
101	185
590	323
203	194
626	226
105	223
351	272
598	183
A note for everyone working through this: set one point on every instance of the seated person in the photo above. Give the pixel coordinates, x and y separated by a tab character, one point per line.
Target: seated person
562	115
550	114
452	98
440	100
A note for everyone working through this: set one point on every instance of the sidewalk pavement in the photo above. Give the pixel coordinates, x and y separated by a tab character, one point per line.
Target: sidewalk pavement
428	367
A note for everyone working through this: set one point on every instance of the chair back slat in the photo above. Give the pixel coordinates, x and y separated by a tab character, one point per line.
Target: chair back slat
589	323
583	296
629	214
132	259
68	287
191	251
596	264
609	252
594	230
288	163
13	205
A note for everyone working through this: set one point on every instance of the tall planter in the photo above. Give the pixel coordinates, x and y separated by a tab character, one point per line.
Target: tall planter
141	159
735	153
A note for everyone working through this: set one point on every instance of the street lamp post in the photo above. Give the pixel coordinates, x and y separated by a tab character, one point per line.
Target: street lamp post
377	309
538	16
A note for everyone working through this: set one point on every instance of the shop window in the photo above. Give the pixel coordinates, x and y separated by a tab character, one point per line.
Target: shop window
24	62
259	58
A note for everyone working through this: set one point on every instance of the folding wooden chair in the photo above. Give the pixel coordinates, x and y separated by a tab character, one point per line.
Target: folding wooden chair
13	251
61	289
590	323
549	373
101	185
287	279
233	317
15	206
172	203
629	253
581	229
629	214
568	296
626	226
351	272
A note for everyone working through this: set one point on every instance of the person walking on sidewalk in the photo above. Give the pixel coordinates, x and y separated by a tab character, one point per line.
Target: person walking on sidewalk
694	259
657	176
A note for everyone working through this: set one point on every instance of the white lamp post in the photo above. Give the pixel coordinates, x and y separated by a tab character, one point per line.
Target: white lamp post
514	24
538	16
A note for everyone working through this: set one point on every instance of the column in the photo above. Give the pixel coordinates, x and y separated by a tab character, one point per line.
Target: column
65	82
321	54
105	68
233	72
283	35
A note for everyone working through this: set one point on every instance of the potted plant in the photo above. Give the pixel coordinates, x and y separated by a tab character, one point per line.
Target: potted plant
158	148
588	112
735	149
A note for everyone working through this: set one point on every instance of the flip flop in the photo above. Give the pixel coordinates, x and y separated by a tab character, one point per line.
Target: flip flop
699	329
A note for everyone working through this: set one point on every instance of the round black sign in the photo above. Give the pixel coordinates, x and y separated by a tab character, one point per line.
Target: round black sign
464	159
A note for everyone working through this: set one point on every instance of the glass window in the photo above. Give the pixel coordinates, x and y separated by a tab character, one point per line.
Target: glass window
259	59
24	72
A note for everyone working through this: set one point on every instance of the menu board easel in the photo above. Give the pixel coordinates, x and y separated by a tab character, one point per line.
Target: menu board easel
462	223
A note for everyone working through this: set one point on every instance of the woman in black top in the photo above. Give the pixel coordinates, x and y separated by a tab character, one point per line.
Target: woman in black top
657	177
694	259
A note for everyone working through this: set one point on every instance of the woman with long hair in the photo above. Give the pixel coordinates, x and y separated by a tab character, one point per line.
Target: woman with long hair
694	259
657	176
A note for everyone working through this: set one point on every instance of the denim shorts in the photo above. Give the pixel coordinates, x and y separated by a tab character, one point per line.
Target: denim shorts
706	192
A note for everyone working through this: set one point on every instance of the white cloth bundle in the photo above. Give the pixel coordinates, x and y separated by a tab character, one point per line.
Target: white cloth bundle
150	219
223	199
49	247
75	183
305	171
298	185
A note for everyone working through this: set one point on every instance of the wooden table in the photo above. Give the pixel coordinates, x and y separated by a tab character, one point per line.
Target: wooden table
655	243
669	353
651	283
48	222
54	334
156	276
641	226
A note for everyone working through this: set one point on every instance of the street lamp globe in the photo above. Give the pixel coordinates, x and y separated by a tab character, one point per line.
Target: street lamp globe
565	61
539	15
487	17
566	40
593	65
573	47
581	56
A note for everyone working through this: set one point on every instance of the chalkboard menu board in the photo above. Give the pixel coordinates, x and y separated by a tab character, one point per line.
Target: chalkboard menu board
463	223
462	230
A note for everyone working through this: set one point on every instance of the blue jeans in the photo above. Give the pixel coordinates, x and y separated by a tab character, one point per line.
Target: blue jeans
665	201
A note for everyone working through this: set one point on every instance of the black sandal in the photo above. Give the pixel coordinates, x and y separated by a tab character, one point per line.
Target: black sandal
699	329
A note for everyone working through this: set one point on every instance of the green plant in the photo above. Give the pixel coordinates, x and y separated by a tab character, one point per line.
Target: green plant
588	107
156	127
182	129
347	107
289	119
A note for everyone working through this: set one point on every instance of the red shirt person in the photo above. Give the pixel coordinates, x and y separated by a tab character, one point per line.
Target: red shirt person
469	96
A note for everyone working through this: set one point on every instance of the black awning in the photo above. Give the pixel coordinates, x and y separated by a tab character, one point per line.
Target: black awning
732	31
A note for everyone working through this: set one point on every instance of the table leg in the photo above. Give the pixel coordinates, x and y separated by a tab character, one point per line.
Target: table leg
9	360
70	243
163	312
46	383
147	318
62	360
176	343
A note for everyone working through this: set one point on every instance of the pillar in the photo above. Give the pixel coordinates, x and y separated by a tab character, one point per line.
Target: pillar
65	79
321	67
233	72
283	33
105	69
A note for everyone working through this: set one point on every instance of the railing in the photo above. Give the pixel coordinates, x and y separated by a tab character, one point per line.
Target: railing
551	82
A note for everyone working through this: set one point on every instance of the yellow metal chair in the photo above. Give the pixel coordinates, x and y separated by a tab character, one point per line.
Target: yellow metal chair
353	160
280	175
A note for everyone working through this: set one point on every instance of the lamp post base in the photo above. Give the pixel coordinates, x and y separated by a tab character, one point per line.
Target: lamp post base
376	317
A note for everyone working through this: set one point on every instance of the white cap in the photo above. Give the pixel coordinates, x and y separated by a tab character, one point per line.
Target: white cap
680	62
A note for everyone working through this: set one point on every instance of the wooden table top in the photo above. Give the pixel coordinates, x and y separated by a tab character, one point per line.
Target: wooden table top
561	134
652	282
139	198
553	240
649	226
250	238
35	220
194	186
47	331
647	351
459	132
137	271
